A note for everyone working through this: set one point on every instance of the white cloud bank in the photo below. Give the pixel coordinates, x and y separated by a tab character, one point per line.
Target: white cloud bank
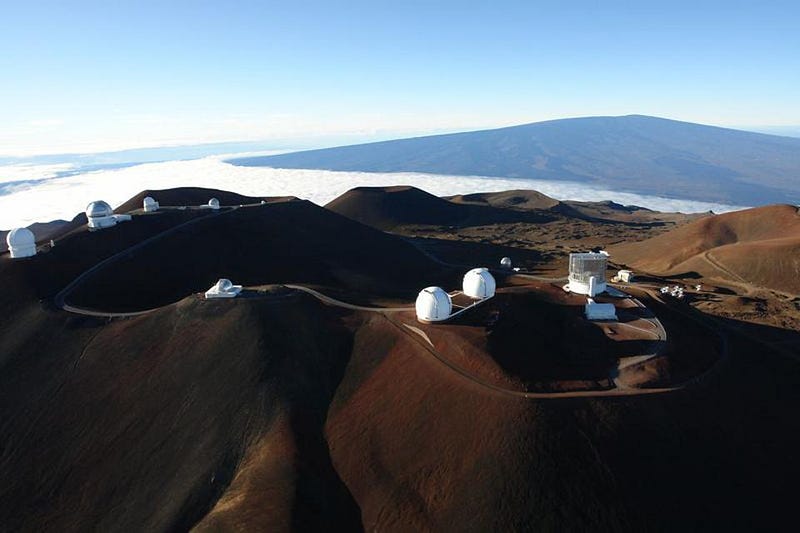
65	197
28	172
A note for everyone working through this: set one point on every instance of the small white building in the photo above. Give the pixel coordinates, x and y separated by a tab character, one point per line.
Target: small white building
596	311
21	243
213	204
150	205
624	276
506	263
479	284
587	273
433	304
99	215
223	288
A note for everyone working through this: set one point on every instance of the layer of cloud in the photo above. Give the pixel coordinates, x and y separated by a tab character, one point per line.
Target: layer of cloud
63	198
25	172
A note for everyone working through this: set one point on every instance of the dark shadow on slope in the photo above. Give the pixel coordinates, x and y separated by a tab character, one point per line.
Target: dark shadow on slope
538	341
284	242
473	254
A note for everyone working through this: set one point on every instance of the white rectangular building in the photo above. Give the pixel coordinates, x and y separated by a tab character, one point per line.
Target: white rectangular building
596	311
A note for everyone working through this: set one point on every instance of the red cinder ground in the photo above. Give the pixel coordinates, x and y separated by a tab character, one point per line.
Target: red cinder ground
288	409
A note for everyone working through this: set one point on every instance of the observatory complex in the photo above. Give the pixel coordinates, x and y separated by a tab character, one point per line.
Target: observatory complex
434	304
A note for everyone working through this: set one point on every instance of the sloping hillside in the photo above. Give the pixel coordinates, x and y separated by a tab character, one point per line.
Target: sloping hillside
515	199
756	246
635	153
279	242
387	208
523	199
279	410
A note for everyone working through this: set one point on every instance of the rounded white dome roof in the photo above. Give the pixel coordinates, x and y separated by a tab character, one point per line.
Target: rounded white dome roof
213	203
433	303
479	283
505	262
99	209
148	200
224	285
19	237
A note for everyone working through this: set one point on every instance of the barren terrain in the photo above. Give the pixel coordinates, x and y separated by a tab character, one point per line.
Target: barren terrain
317	400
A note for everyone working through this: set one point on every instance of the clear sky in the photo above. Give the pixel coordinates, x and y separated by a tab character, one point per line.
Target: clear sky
113	74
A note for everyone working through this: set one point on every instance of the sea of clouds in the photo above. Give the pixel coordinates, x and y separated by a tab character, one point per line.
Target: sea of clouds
40	193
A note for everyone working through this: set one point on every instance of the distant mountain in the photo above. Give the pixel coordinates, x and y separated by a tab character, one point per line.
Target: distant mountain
634	153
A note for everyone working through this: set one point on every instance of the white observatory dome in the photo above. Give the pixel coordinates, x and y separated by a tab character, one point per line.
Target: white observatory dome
213	203
98	209
223	288
224	285
479	284
149	205
505	262
21	243
100	215
433	304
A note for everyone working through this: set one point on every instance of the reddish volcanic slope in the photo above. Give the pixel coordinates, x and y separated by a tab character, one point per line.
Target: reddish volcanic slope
595	211
277	410
516	199
281	242
387	208
756	246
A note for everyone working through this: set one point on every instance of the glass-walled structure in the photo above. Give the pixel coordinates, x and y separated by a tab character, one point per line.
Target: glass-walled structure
587	273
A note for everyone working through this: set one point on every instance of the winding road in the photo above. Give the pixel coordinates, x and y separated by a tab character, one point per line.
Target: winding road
413	332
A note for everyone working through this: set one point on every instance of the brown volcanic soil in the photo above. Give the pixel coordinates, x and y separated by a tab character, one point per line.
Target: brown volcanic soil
274	411
760	254
757	246
53	268
280	412
545	229
597	211
143	424
388	208
281	242
516	199
435	452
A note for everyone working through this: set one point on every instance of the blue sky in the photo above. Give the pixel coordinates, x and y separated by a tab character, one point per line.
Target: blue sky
105	75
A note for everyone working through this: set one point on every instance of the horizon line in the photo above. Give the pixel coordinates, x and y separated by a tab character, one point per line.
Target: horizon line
391	135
